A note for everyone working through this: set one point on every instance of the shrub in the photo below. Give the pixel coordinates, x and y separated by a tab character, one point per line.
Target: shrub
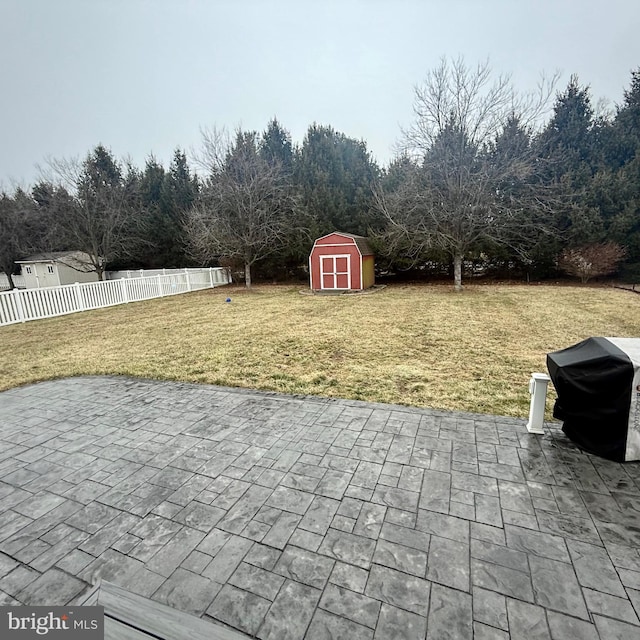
592	260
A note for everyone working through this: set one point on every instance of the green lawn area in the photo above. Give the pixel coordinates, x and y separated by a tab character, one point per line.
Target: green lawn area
418	345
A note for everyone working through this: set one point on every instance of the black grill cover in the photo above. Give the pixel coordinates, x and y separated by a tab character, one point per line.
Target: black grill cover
594	381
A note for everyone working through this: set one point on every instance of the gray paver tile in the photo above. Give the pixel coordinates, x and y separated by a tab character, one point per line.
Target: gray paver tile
398	556
167	560
227	559
18	579
240	609
256	580
612	606
187	591
282	530
398	624
213	542
490	608
594	568
450	614
353	606
370	520
614	629
527	621
306	540
304	566
501	579
291	613
537	543
442	525
486	532
556	587
397	498
334	484
449	563
484	632
290	500
319	515
262	556
349	577
238	517
51	586
348	548
196	561
564	627
399	589
498	554
327	626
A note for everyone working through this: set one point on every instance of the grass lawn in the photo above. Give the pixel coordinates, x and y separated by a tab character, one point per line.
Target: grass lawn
416	345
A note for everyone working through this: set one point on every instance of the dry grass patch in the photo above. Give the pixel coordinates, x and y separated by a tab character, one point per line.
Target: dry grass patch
417	345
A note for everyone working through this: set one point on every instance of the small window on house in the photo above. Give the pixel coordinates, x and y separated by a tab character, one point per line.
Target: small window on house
27	269
50	268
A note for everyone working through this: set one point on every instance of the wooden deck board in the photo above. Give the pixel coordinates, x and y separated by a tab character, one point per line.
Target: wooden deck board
128	616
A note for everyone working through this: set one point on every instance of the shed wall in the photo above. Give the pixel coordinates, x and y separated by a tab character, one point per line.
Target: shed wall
368	272
68	275
348	249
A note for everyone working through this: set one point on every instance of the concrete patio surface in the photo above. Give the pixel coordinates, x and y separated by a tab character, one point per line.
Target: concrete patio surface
287	517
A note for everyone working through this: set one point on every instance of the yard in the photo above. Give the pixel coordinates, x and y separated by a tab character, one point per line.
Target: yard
417	345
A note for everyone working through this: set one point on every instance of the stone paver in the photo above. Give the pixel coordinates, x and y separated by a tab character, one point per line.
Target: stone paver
308	518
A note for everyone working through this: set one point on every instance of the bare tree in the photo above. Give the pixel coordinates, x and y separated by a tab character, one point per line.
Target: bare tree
592	260
244	210
473	179
100	218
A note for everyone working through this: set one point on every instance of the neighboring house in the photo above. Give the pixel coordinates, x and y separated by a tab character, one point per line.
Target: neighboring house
53	269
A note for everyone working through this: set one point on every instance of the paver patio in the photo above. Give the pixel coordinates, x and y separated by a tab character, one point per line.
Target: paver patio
289	517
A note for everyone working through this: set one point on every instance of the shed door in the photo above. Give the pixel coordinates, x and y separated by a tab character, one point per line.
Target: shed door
335	272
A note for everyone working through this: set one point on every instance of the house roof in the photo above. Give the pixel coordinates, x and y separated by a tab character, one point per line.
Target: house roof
78	260
361	242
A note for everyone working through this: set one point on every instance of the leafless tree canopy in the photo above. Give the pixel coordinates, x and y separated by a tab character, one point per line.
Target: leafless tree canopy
474	102
471	178
244	212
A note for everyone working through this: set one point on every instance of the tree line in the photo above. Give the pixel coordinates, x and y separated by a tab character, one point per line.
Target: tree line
486	180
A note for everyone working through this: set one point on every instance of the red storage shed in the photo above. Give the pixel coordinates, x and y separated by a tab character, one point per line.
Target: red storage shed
341	262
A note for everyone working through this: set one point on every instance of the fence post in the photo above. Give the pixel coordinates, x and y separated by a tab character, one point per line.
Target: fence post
160	291
211	277
79	303
19	307
186	273
125	291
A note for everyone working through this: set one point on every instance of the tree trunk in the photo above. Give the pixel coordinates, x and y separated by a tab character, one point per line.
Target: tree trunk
457	272
12	284
100	272
247	275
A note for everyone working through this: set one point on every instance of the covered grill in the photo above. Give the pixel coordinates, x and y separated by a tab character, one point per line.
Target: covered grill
598	386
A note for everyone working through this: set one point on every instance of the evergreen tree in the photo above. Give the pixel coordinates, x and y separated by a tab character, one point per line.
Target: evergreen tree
335	175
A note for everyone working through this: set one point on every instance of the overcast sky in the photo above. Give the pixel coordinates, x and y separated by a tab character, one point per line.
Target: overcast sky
143	76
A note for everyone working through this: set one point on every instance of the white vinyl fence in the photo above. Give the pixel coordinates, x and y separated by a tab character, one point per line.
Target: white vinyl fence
47	302
18	281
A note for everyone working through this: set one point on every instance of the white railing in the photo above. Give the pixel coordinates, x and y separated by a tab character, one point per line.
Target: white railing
141	273
18	281
47	302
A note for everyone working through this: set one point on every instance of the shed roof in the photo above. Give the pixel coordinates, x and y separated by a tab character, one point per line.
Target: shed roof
361	242
78	260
